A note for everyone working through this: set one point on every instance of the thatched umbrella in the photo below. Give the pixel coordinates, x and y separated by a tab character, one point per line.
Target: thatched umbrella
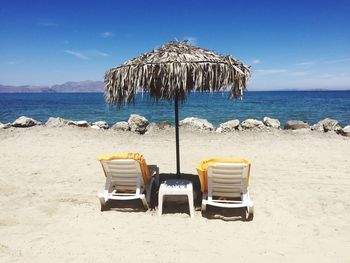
171	72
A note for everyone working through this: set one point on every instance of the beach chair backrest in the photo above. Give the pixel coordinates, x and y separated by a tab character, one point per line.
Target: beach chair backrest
227	179
123	174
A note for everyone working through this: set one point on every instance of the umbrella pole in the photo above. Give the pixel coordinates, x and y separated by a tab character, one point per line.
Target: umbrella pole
177	138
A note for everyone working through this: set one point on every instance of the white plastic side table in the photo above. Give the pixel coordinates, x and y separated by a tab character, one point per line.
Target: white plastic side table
176	187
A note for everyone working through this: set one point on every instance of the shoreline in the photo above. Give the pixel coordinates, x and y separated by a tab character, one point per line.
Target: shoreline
139	124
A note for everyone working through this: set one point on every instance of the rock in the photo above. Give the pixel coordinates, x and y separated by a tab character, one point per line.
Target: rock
78	123
152	127
121	126
228	126
273	123
327	125
100	125
138	123
317	127
163	125
81	123
158	126
5	125
24	122
71	123
56	122
197	124
252	124
296	125
345	131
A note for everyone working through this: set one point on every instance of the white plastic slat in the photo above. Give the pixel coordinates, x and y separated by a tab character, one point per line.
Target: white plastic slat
132	165
122	167
125	187
227	190
119	167
132	179
124	174
226	180
227	174
124	182
226	168
122	171
123	177
226	194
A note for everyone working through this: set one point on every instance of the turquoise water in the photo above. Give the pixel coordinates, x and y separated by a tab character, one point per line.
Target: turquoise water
309	106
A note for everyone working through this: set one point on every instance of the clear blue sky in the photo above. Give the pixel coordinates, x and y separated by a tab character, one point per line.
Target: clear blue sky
289	44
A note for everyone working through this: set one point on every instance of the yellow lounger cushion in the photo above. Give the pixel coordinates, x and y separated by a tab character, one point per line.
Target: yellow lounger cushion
135	156
202	168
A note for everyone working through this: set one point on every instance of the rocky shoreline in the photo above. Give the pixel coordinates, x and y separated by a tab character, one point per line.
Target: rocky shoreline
141	125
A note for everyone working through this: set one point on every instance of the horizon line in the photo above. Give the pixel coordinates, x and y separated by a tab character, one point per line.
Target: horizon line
101	92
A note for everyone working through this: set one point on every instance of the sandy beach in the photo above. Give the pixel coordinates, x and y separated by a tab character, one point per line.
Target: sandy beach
50	212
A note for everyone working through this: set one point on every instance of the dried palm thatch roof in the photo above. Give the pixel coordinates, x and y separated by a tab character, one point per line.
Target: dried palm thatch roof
174	70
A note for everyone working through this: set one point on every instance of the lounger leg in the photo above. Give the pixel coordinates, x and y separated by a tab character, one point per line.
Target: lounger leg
103	201
160	203
250	211
190	203
204	205
144	201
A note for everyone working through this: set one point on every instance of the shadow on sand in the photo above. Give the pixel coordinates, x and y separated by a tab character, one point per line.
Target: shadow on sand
125	206
236	214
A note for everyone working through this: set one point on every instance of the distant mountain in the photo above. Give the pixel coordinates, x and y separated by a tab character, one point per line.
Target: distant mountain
69	87
25	89
81	86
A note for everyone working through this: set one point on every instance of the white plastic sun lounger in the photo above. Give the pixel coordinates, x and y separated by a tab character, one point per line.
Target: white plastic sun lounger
228	187
124	181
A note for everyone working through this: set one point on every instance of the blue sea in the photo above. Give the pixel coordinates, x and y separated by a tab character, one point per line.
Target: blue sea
309	106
